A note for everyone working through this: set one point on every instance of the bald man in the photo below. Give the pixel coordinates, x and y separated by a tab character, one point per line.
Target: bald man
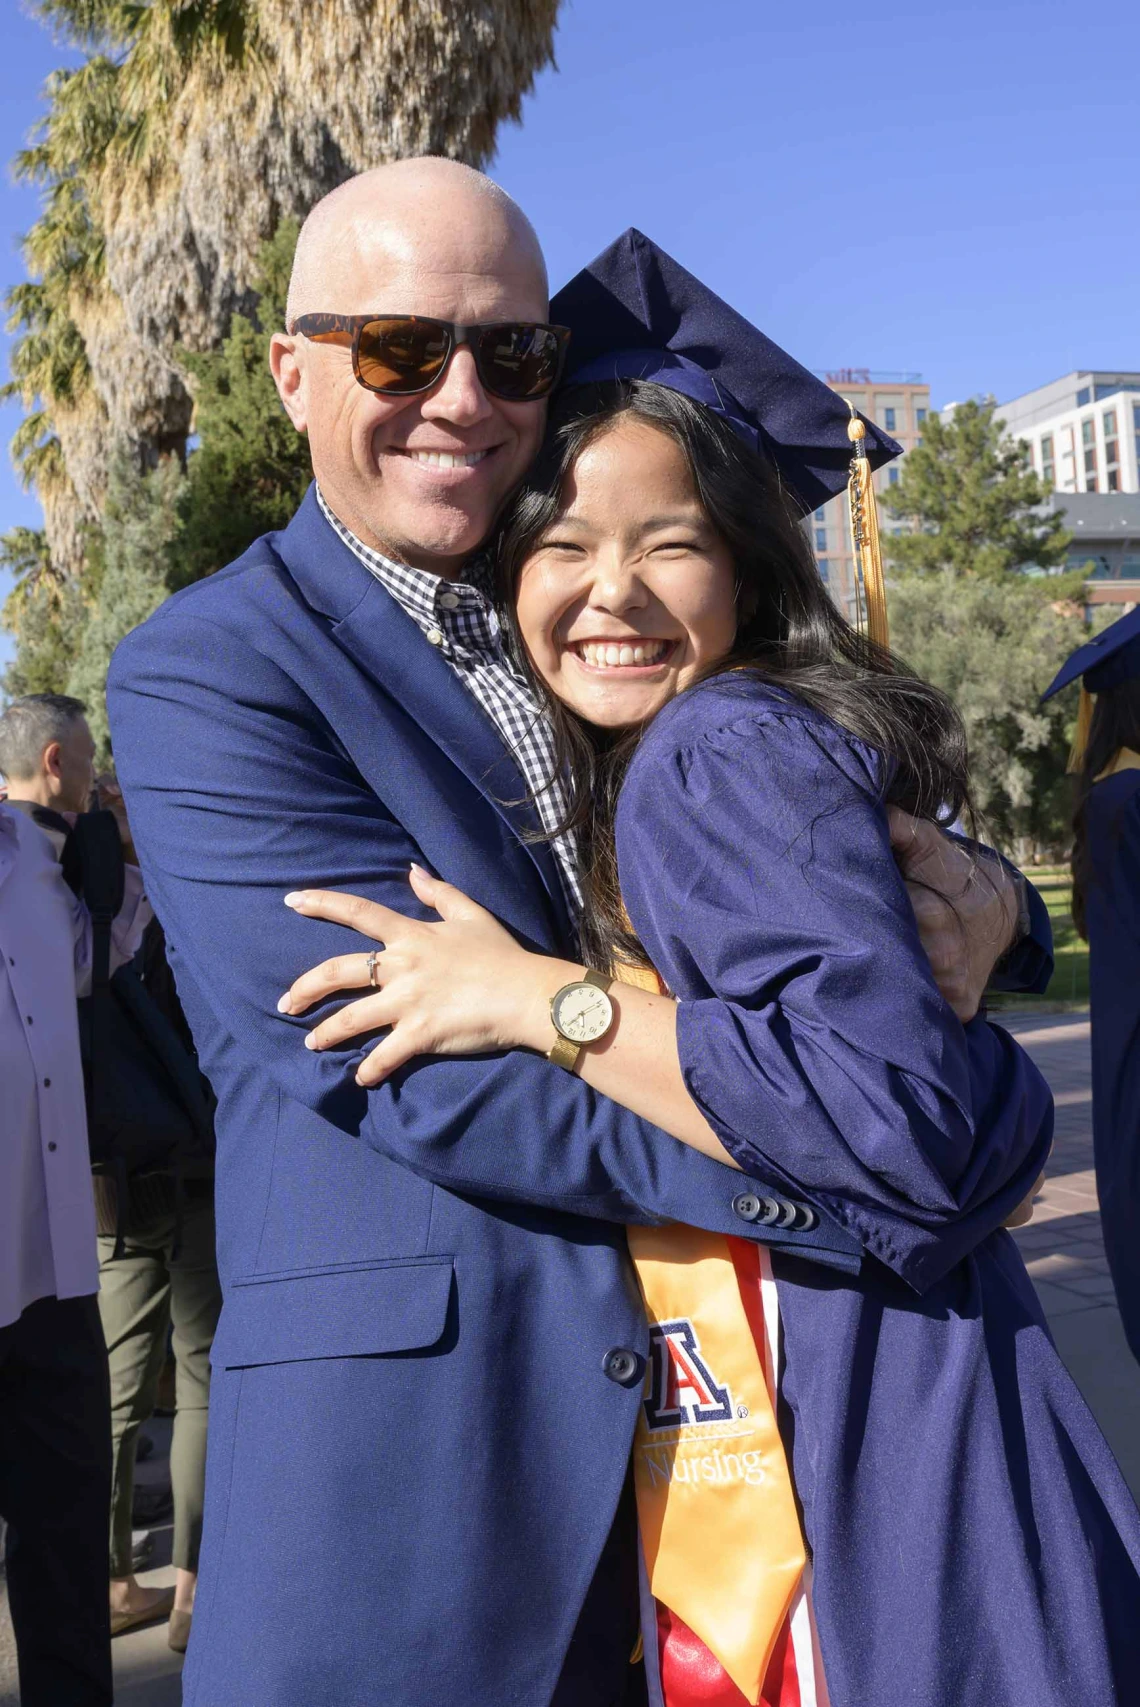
431	1353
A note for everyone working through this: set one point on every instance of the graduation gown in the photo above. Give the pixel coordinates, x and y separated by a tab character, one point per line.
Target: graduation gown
1112	819
973	1542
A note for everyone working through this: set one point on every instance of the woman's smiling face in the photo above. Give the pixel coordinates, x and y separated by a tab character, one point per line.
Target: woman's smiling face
629	594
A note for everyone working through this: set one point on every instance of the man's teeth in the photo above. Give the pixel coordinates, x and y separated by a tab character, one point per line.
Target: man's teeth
448	458
599	653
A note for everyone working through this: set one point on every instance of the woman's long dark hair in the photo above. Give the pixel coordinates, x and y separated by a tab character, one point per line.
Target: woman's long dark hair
1115	724
789	633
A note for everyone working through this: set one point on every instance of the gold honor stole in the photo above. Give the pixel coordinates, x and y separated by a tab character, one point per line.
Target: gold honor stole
720	1531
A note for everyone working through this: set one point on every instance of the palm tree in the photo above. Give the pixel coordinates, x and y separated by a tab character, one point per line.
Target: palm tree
195	126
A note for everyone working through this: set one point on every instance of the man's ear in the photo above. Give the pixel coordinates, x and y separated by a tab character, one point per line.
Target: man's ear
286	366
50	760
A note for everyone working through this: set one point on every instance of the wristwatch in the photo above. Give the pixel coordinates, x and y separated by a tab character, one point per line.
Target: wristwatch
581	1013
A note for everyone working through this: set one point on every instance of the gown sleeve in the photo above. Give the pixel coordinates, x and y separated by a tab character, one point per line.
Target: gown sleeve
756	867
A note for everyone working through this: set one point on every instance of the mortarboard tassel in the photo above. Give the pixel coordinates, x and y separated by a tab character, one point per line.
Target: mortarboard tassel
872	603
1084	724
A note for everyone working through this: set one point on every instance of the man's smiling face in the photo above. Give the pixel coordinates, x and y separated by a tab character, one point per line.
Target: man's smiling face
420	478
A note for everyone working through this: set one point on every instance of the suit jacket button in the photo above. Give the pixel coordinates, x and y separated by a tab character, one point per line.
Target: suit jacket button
748	1206
622	1366
807	1217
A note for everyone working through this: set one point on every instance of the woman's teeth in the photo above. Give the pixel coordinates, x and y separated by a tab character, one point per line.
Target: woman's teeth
607	654
447	458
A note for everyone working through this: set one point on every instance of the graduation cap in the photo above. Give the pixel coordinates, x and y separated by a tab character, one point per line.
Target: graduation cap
635	312
1106	661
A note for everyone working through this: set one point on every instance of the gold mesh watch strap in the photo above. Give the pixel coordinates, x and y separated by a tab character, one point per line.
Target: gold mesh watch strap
565	1052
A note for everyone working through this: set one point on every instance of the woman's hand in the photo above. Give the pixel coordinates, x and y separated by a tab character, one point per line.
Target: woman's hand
460	987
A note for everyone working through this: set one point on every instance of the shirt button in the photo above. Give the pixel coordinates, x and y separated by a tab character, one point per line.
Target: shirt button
51	1144
434	636
622	1366
47	1084
449	601
31	1021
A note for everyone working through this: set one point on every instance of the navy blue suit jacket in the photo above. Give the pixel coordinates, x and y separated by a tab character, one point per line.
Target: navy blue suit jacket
416	1451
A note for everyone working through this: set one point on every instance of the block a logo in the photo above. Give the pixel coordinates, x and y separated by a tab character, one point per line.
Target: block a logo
682	1387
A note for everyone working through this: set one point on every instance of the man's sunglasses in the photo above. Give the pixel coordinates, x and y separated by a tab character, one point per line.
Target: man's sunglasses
399	355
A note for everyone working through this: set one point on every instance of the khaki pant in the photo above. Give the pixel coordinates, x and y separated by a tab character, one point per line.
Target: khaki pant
144	1293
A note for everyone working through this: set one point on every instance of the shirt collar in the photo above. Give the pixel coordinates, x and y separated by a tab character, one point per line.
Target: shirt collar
419	585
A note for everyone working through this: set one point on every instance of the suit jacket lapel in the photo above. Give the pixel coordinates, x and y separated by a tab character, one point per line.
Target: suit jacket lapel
388	646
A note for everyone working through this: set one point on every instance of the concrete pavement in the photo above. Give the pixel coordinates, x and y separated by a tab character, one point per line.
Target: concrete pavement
1062	1247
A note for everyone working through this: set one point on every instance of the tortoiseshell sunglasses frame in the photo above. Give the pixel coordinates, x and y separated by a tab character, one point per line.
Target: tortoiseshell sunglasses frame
346	330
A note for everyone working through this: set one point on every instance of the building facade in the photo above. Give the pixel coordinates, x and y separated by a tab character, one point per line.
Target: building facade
1082	433
900	404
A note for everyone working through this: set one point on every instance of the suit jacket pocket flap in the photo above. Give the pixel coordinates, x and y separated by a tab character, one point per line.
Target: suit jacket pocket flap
355	1310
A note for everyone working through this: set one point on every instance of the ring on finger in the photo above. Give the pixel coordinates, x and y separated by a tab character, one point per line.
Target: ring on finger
372	961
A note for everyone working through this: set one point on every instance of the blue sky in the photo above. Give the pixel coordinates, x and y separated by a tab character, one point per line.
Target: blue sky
949	188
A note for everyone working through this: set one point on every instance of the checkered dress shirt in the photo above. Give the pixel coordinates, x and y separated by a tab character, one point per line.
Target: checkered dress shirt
459	619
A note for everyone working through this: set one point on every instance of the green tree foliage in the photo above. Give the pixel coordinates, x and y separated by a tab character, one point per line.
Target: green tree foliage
251	467
993	646
45	612
972	497
129	569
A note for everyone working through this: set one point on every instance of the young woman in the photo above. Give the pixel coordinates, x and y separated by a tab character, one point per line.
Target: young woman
1106	911
731	747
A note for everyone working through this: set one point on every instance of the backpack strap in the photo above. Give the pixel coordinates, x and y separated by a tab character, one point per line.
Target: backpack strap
103	873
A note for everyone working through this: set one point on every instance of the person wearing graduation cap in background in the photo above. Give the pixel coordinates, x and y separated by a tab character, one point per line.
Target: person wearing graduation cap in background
1106	911
731	748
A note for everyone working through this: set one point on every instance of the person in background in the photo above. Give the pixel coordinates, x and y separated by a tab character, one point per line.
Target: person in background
167	1273
47	754
54	1401
1106	911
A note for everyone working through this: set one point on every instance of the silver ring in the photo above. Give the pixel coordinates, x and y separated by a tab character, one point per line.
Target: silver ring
373	962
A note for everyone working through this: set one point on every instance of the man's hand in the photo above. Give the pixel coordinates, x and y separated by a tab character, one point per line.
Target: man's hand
967	908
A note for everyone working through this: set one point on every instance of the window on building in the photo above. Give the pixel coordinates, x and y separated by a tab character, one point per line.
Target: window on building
821	539
1083	396
1088	442
1136	416
1111	451
892	476
920	417
1048	467
824	569
889	419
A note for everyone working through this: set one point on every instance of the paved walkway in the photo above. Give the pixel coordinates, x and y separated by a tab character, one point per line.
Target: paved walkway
1062	1247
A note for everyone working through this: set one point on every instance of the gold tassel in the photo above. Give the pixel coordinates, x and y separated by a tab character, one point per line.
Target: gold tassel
1084	724
870	589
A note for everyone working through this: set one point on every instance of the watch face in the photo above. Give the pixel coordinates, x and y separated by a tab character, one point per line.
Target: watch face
582	1013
